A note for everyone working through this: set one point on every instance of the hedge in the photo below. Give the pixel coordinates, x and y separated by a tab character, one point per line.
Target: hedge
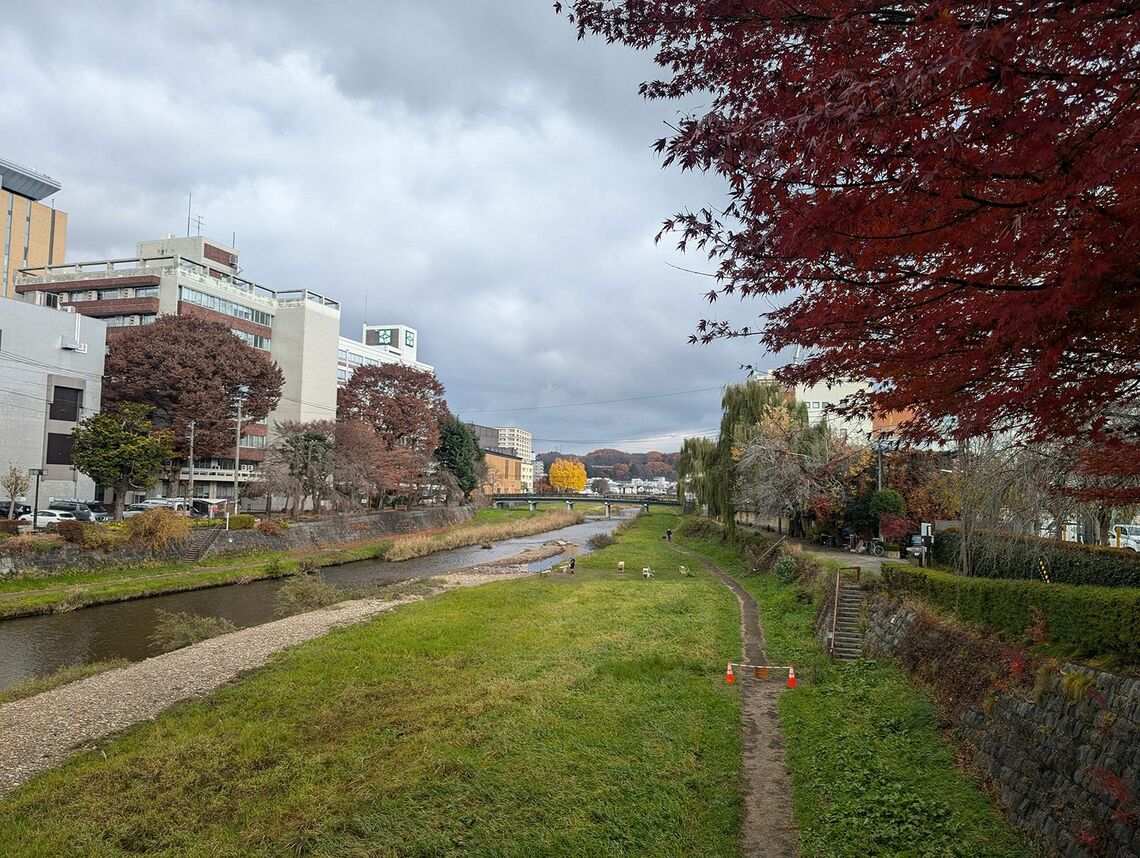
1095	620
1004	555
242	521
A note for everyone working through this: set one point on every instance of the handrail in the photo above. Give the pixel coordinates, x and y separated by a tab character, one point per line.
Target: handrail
770	550
835	613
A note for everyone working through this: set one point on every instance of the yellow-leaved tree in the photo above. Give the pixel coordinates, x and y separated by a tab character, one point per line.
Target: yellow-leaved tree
567	475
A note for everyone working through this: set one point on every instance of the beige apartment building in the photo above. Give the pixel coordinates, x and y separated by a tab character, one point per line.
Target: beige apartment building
31	233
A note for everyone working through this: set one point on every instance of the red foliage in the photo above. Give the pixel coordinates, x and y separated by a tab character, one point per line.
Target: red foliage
188	368
894	527
949	194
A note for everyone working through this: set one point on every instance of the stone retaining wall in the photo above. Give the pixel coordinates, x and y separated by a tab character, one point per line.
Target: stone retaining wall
1064	756
67	558
339	530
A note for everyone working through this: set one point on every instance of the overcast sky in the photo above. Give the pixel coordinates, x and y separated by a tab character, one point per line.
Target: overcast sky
462	166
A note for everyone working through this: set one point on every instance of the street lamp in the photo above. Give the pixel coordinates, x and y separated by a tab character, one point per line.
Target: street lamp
239	398
37	473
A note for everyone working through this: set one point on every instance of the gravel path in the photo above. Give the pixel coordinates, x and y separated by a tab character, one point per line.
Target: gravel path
41	731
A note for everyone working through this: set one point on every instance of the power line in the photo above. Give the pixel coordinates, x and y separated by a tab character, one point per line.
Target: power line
580	404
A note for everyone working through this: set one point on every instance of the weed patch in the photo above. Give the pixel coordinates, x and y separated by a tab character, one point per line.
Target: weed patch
176	629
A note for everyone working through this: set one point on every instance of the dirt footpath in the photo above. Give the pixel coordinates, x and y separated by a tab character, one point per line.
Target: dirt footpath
41	731
769	828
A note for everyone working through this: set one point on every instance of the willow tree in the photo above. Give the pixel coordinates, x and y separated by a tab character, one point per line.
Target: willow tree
743	408
692	466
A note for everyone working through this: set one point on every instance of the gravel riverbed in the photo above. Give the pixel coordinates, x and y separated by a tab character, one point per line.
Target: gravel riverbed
41	731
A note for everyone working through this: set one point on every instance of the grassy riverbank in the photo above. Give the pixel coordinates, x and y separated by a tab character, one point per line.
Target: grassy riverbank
22	596
871	774
567	715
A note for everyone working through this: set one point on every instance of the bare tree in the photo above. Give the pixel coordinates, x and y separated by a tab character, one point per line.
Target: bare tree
15	482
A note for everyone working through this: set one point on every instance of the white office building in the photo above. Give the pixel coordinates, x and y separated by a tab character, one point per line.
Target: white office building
379	344
52	366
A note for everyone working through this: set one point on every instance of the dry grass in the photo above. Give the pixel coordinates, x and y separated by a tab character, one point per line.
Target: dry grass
419	545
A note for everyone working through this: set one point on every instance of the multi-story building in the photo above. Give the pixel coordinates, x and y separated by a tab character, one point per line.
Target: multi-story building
379	344
52	366
196	276
819	397
519	441
512	441
30	232
504	473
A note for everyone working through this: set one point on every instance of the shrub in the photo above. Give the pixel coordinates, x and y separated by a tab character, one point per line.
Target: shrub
268	527
176	629
699	527
242	521
156	528
1005	555
1095	620
601	540
785	568
9	526
72	531
303	593
101	537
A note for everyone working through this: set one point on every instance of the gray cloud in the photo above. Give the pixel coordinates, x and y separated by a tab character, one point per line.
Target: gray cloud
466	167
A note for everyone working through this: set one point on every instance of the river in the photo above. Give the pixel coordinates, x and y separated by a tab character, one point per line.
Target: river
39	645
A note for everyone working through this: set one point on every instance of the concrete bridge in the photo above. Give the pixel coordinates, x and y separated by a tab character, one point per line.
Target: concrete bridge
644	501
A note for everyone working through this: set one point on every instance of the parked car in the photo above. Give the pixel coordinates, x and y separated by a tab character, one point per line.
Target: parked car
101	512
80	510
137	509
21	508
48	516
1125	536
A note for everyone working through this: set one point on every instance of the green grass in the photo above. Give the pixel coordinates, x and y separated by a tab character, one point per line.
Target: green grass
569	715
870	772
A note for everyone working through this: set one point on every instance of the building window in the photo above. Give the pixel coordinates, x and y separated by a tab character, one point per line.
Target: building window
146	292
342	356
65	404
59	448
221	305
342	375
255	340
253	442
109	294
355	359
409	339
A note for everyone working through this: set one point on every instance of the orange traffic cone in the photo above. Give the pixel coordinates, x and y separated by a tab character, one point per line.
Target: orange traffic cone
791	676
728	675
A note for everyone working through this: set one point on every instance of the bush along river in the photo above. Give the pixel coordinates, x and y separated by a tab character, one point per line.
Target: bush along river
42	644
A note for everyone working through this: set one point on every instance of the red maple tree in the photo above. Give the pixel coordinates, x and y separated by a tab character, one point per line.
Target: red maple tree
403	406
942	198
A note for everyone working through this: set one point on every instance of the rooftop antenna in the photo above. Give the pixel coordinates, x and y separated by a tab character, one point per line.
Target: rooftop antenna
198	221
366	306
189	202
233	240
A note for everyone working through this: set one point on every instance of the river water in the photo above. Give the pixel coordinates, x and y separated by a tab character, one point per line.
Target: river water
35	646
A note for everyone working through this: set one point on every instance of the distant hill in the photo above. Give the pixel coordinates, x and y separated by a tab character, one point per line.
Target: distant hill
619	465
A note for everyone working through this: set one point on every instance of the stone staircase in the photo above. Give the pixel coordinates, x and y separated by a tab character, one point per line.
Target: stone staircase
848	643
201	538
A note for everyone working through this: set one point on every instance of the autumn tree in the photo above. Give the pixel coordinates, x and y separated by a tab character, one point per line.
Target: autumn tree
787	467
121	448
567	475
357	452
15	482
942	199
186	368
403	406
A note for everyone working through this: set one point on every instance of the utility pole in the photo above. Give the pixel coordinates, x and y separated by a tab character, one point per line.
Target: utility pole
37	473
879	450
239	398
190	490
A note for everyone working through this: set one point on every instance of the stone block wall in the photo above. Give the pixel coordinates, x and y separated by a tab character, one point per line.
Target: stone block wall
339	530
1064	755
